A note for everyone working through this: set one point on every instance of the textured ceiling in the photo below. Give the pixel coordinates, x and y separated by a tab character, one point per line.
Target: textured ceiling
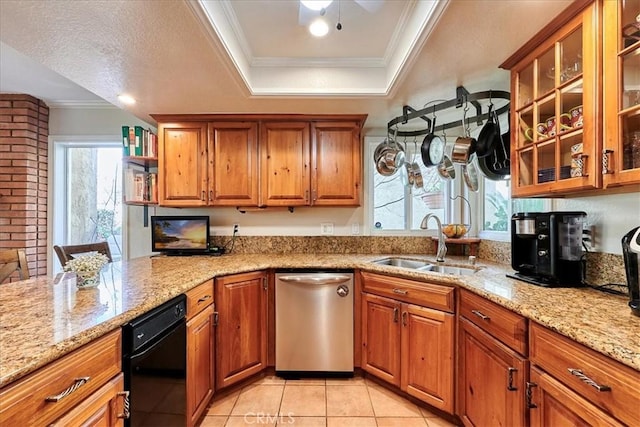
162	54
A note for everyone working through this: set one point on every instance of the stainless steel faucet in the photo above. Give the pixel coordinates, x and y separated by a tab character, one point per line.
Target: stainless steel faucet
442	247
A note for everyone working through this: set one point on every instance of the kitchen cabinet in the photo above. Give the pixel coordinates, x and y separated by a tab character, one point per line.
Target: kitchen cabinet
336	163
182	164
556	81
259	160
570	381
85	384
621	161
102	408
200	350
241	329
492	365
407	345
284	157
233	163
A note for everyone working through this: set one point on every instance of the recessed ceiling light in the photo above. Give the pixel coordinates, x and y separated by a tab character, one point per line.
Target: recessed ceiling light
316	4
126	99
319	28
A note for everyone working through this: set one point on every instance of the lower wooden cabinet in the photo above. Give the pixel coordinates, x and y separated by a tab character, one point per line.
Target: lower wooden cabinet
104	408
200	363
553	404
411	347
241	331
491	380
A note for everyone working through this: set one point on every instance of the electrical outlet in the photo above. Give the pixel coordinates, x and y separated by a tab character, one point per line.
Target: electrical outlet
355	228
326	228
235	228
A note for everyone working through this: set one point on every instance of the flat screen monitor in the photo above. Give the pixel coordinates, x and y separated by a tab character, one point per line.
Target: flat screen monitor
180	235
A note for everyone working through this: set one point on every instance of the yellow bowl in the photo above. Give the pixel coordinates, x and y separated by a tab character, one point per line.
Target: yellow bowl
454	231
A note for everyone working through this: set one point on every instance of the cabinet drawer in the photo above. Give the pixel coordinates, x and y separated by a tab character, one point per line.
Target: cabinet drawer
585	370
199	297
420	293
503	324
25	401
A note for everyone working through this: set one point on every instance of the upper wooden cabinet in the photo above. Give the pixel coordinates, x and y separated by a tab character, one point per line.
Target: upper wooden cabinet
233	163
284	156
336	163
621	163
182	164
259	160
556	83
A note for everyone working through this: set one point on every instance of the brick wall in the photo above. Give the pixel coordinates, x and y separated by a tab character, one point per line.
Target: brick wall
24	133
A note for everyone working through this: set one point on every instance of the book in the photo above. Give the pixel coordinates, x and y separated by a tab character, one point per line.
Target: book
138	138
125	140
132	141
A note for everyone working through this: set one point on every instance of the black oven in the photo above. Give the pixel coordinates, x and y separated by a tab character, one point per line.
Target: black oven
154	365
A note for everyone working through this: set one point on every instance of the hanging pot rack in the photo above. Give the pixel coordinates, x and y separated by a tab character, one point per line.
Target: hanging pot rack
463	97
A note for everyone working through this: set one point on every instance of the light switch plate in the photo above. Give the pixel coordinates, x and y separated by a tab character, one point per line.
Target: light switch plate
326	228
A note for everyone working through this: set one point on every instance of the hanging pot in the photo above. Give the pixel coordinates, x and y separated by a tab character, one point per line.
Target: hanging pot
432	148
489	135
496	166
470	174
462	149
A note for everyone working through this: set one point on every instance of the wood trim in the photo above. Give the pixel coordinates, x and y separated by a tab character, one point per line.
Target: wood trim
165	118
357	315
565	16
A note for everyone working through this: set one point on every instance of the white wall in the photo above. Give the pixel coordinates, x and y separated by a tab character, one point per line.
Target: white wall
612	215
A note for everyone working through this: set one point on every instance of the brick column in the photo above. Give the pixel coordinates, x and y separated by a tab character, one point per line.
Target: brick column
24	134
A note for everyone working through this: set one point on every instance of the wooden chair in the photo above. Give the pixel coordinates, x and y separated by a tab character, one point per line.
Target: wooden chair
66	253
12	260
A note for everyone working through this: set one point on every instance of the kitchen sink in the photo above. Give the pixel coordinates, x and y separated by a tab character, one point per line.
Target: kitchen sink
414	264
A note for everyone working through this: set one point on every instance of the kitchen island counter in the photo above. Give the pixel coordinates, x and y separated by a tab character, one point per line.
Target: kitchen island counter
43	318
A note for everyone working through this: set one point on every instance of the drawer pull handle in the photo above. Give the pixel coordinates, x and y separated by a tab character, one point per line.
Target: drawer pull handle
77	383
400	291
204	298
404	318
125	405
510	372
530	403
480	315
578	373
395	315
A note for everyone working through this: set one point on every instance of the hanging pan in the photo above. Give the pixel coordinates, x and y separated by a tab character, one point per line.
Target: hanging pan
489	135
432	148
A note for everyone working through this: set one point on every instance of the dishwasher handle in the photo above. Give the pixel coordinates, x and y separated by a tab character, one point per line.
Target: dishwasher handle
315	280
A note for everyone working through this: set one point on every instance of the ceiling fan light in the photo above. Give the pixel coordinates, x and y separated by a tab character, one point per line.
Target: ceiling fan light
316	4
319	28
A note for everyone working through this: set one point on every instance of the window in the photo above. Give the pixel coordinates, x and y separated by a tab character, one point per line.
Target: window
399	207
87	201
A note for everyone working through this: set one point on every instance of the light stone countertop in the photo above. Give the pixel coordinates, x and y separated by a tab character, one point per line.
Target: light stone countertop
41	320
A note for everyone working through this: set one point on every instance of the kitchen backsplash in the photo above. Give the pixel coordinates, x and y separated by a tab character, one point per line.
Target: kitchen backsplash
602	268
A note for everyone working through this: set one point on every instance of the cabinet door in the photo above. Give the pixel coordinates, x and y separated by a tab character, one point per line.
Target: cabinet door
491	380
553	404
427	355
241	333
336	164
284	163
182	164
381	337
233	161
556	126
622	97
104	408
200	363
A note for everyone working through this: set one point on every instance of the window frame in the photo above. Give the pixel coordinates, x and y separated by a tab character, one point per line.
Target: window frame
59	191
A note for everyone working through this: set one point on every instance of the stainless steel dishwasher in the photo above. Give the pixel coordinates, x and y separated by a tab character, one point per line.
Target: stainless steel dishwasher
314	323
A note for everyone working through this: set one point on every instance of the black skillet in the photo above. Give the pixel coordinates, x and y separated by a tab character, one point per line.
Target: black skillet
489	135
494	166
432	148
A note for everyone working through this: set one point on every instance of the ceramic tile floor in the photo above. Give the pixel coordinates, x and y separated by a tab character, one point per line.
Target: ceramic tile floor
353	402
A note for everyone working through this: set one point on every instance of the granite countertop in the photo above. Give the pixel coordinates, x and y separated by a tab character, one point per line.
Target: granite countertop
42	319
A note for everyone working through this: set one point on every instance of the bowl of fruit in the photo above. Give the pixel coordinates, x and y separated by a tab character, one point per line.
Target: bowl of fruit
455	231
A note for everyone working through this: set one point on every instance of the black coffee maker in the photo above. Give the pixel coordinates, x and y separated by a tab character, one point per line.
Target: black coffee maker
546	248
631	253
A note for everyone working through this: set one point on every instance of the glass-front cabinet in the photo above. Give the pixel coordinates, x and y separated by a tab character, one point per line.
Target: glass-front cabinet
621	155
555	99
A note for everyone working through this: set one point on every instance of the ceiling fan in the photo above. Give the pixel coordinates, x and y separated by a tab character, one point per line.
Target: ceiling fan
310	10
